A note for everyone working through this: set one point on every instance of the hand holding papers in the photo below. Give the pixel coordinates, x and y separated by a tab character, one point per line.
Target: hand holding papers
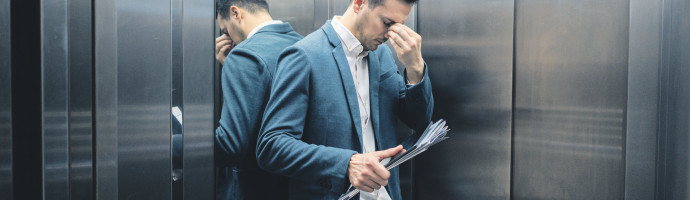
434	133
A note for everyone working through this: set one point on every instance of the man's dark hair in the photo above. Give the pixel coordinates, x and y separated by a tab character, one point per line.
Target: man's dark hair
223	6
374	3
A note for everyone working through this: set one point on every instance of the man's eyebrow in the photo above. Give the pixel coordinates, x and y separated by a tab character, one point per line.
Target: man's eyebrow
391	20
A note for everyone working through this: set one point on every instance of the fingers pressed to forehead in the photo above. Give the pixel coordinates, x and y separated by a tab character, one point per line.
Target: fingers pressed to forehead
403	33
399	42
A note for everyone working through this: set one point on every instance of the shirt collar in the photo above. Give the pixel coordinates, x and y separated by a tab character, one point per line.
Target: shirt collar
348	39
266	23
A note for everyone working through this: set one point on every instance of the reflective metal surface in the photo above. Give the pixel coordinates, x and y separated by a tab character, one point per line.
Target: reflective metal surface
80	100
55	101
643	93
467	45
106	99
6	185
674	127
198	62
323	10
570	99
299	13
144	97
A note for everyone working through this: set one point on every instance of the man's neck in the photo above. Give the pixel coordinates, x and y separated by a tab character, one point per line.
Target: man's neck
255	20
348	20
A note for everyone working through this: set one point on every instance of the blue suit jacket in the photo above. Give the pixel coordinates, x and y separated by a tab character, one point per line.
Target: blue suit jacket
311	125
246	80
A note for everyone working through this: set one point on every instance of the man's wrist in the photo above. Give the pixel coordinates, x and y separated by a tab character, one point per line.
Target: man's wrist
415	74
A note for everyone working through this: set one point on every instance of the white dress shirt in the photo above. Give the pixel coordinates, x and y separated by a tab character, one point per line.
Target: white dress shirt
357	58
266	23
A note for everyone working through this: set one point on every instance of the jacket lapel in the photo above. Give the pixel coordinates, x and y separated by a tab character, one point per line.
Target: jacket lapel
346	78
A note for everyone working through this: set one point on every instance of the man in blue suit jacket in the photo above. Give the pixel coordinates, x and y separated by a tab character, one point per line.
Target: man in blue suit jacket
256	41
336	99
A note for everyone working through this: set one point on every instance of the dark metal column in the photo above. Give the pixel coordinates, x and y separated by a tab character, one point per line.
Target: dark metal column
643	93
468	46
5	100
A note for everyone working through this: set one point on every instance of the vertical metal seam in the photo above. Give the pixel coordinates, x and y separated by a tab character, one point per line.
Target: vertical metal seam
68	93
624	125
43	142
659	135
10	132
93	101
513	99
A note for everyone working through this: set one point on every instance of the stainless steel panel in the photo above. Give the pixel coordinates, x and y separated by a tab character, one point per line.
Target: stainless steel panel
80	100
323	10
6	185
468	47
570	99
143	99
299	13
55	93
340	6
643	89
106	99
674	127
198	99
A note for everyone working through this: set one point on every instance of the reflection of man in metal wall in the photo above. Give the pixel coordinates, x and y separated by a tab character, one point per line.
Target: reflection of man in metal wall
336	99
252	41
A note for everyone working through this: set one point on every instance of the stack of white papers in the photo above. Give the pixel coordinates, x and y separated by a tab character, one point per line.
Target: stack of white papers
434	133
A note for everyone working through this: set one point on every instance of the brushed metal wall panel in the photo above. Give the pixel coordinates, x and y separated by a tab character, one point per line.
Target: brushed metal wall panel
468	46
198	70
299	13
570	99
106	100
80	99
144	99
55	98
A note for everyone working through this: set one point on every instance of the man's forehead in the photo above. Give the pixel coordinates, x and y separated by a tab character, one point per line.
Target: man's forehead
395	10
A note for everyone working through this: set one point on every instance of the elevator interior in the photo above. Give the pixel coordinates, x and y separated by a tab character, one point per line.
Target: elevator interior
561	99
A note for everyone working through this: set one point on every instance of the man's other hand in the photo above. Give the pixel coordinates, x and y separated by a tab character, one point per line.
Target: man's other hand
367	173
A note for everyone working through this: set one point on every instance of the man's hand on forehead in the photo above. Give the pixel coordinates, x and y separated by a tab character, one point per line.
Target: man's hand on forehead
408	46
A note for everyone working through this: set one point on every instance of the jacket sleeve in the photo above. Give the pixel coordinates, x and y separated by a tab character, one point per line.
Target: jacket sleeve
246	85
416	105
280	148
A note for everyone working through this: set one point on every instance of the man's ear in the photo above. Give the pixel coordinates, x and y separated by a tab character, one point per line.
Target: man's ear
235	13
358	5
